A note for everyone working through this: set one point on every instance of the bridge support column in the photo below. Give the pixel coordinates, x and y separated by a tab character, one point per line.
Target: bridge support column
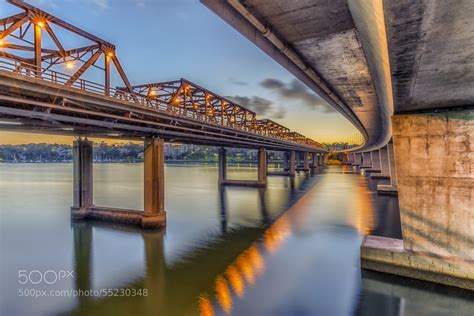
286	166
292	163
306	162
261	171
82	178
314	163
154	181
366	160
222	165
325	159
434	158
392	187
375	158
349	160
262	167
384	168
359	159
286	161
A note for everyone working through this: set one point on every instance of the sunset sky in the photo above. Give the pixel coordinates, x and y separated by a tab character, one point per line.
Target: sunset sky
172	39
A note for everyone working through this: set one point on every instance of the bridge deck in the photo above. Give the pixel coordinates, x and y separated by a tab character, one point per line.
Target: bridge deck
47	105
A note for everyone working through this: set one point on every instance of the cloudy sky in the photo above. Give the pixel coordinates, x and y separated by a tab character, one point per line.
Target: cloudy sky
160	40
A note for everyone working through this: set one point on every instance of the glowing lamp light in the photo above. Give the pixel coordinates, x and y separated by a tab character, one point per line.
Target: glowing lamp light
40	24
110	54
69	64
1	42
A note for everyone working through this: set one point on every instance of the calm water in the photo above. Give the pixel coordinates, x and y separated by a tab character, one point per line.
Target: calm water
292	249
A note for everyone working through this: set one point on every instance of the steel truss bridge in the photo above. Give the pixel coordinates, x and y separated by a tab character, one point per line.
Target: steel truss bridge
43	89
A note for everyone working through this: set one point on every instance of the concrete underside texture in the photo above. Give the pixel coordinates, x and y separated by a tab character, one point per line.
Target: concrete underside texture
436	186
340	47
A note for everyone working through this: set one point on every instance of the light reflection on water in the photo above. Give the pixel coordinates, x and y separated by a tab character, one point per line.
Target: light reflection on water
290	249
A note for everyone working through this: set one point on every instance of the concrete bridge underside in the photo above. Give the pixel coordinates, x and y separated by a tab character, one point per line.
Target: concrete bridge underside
403	73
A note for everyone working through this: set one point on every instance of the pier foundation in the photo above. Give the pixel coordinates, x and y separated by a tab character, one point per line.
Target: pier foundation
434	159
366	160
154	182
152	216
384	165
392	187
261	172
82	178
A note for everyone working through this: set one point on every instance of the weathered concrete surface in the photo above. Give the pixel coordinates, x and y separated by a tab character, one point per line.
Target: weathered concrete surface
436	183
368	16
431	45
389	255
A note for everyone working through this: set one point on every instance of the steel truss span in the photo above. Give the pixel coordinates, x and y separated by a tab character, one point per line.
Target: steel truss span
37	96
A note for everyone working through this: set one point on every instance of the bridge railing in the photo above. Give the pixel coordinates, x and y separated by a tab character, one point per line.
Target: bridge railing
63	79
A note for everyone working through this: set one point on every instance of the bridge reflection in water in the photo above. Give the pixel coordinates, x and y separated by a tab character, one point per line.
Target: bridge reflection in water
291	248
218	276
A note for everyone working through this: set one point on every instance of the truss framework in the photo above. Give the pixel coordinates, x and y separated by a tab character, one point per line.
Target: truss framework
179	97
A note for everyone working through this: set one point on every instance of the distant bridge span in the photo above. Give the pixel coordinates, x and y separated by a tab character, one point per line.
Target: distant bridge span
43	88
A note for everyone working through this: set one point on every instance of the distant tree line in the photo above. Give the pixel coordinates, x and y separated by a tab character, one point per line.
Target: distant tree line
130	152
63	153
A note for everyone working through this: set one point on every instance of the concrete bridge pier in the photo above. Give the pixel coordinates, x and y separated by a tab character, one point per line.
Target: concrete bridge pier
82	178
286	161
222	165
261	172
292	170
357	160
375	158
392	187
320	160
366	160
314	163
325	159
154	183
303	162
384	165
262	167
349	159
153	214
289	165
433	154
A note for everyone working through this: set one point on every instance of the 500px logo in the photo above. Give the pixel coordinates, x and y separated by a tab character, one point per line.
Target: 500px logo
48	276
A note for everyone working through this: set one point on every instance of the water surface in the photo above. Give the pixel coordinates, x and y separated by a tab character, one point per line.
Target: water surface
289	249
